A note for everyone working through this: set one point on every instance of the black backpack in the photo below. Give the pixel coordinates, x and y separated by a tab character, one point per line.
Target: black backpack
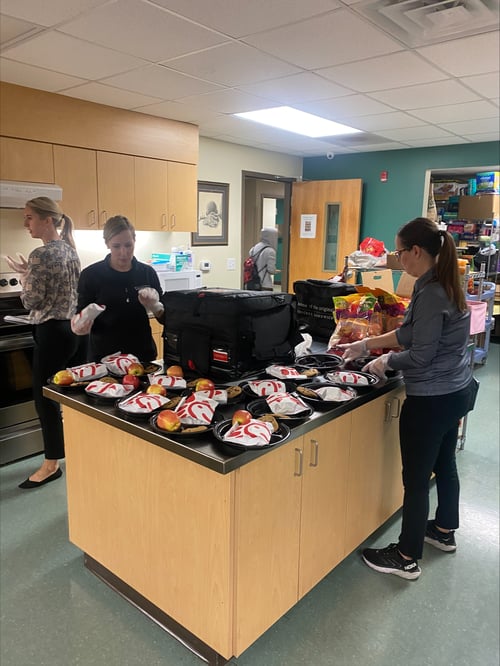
251	278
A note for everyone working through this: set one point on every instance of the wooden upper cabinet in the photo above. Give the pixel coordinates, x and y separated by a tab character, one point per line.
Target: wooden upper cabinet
182	196
116	186
75	171
151	211
29	161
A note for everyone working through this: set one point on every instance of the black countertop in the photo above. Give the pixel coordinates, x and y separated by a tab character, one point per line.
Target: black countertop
205	449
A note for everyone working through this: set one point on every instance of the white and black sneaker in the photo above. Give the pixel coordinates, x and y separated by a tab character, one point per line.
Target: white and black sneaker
388	560
442	540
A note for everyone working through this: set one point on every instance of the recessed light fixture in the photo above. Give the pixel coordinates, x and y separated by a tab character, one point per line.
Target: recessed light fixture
300	122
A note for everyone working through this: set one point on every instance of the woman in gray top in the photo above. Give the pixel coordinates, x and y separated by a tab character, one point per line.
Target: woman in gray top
430	349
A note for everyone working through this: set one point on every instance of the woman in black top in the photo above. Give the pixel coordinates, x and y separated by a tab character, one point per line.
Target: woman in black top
128	289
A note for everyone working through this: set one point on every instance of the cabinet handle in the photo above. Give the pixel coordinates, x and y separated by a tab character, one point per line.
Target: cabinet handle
298	462
173	222
398	408
387	415
163	220
314	453
91	218
103	217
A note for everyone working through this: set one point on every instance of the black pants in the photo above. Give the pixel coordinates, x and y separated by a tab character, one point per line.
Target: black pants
56	348
428	432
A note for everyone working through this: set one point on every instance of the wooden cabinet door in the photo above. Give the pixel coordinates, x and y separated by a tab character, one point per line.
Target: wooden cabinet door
182	196
157	330
150	194
374	486
75	170
115	186
311	248
324	498
266	549
29	161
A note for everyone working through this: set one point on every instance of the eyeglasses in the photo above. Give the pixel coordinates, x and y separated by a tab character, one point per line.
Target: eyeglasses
398	253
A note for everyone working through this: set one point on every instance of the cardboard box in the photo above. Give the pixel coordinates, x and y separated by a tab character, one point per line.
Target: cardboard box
393	262
479	207
396	282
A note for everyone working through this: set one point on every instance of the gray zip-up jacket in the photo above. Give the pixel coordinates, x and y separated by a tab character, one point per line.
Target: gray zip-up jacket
434	336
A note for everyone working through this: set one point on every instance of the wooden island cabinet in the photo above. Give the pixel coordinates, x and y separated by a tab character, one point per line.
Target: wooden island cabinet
217	547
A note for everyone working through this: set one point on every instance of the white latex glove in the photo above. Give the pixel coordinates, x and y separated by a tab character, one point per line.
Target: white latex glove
149	298
20	266
82	322
378	366
354	350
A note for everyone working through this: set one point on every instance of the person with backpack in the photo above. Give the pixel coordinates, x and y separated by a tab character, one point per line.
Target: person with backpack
264	259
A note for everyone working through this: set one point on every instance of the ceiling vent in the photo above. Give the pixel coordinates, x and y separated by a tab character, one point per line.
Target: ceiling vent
358	140
423	22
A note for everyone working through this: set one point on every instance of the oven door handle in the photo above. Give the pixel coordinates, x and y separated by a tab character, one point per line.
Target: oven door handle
16	342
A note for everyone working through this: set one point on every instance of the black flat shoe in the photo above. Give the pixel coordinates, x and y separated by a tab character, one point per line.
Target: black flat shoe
25	485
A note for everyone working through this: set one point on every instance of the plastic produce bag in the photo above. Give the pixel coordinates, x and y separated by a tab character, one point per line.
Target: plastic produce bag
372	246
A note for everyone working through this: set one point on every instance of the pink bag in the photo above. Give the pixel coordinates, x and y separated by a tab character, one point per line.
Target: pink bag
477	316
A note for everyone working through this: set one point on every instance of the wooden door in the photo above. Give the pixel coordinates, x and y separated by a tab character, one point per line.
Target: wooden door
116	186
266	550
150	194
75	170
182	197
324	495
308	254
29	161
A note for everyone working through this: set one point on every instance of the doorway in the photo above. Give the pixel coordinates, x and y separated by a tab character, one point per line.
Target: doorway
266	202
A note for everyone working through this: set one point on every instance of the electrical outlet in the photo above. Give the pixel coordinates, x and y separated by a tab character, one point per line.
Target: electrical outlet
231	264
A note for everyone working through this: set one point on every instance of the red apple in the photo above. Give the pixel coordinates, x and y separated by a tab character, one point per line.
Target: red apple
175	371
131	380
241	416
63	378
135	369
168	420
157	388
204	384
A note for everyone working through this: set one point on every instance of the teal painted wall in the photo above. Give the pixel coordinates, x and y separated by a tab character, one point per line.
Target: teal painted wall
386	206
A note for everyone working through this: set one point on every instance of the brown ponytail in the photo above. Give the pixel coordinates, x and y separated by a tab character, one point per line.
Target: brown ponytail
424	232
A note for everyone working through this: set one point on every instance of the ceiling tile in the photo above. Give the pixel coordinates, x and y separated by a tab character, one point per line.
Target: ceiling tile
331	39
345	108
161	82
189	113
390	145
35	77
47	13
102	94
485	136
385	121
457	112
383	73
487	85
478	126
426	95
68	55
10	28
232	64
467	56
142	30
241	17
297	88
449	140
421	132
229	101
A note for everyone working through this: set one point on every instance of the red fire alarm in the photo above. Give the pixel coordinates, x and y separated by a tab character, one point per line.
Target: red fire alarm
384	176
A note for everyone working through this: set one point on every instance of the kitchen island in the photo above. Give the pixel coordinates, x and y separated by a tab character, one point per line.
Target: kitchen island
217	547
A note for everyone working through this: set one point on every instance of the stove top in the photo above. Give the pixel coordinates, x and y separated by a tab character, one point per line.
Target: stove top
10	285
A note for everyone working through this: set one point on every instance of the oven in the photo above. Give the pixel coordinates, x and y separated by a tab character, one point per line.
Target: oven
20	432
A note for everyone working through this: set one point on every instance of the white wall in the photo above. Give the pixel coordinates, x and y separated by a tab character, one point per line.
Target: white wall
219	162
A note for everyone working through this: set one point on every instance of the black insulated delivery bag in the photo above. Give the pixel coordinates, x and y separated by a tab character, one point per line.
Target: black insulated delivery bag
315	309
229	332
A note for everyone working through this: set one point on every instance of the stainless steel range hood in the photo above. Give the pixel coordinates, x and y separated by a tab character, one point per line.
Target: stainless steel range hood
14	194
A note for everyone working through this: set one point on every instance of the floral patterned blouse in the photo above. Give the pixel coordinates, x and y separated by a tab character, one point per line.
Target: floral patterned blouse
50	282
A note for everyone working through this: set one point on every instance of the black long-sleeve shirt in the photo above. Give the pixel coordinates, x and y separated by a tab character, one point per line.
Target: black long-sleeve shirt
124	325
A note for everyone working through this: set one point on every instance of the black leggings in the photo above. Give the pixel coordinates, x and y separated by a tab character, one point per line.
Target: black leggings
428	431
55	349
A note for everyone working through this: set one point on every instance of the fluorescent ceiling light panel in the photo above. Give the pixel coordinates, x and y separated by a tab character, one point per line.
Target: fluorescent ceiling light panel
300	122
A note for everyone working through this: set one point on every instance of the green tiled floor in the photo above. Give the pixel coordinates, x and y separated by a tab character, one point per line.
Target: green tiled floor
54	612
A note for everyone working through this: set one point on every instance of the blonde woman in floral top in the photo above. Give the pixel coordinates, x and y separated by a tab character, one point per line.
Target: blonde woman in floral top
49	280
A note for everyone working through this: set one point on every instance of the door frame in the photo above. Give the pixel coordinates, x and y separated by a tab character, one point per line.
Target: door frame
287	196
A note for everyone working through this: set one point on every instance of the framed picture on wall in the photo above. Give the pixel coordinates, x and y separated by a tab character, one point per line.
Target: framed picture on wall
213	207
